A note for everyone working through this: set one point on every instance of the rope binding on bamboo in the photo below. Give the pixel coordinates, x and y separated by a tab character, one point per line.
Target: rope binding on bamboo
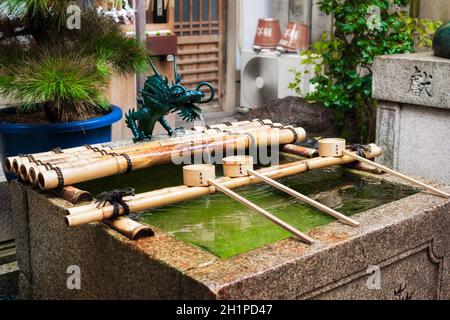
115	198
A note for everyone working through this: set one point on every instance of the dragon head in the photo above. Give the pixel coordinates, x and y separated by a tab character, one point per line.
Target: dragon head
185	100
175	97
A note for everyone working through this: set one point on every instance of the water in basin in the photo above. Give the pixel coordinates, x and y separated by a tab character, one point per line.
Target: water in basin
226	228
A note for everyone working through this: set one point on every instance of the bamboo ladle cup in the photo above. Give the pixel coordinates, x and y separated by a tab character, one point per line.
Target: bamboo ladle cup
338	147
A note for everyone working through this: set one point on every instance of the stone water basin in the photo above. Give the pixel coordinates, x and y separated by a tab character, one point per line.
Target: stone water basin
213	248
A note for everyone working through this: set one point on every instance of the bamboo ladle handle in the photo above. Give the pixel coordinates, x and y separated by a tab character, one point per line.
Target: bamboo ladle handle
311	202
398	174
298	234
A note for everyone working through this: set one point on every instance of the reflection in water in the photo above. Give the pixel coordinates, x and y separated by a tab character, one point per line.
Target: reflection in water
226	228
332	198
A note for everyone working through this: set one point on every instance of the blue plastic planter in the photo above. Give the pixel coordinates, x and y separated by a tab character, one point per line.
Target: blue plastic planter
33	138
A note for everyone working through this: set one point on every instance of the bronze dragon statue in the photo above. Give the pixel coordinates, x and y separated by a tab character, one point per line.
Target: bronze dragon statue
159	98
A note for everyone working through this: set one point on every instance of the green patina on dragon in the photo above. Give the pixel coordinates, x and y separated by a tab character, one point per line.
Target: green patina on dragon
159	98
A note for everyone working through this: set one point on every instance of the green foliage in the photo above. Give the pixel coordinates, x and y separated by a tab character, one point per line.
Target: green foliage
343	60
66	72
421	30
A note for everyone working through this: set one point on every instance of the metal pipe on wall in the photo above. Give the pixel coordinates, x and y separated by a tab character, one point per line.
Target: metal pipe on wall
141	27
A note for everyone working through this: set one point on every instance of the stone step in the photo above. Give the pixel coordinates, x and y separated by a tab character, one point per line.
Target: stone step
7	252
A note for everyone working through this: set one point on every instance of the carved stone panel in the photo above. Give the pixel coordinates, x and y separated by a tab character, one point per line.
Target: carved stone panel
413	275
420	79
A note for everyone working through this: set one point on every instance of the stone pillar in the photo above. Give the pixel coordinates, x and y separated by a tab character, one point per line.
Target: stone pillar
413	125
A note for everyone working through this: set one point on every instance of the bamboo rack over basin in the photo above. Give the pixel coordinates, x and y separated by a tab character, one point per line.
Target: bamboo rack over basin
12	164
88	214
29	171
112	165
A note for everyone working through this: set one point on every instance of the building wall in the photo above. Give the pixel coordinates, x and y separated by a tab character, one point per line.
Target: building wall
249	12
435	9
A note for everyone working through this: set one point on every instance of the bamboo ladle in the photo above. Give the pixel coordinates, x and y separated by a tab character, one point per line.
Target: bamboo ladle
337	148
242	166
298	234
305	199
398	174
204	175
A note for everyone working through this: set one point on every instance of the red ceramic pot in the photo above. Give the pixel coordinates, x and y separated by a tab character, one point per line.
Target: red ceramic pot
268	34
295	37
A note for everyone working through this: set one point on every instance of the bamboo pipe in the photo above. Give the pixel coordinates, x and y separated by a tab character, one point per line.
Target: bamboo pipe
49	157
307	200
49	179
398	174
297	233
82	209
12	164
129	228
45	158
31	175
9	160
86	215
300	151
224	127
238	123
101	214
56	156
216	126
90	153
135	148
31	172
74	195
28	171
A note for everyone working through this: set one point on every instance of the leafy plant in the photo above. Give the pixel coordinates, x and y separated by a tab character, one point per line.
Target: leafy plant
343	60
421	30
65	71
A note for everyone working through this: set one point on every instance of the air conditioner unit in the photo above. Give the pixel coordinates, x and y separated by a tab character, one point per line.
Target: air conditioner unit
266	76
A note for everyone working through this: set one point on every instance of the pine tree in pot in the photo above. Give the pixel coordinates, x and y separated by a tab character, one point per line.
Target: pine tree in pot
59	74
